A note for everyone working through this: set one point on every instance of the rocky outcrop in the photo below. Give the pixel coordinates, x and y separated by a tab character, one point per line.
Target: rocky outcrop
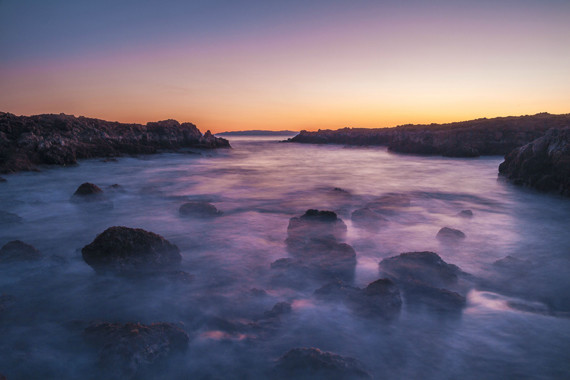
129	251
425	278
450	234
87	192
127	349
468	214
315	242
18	251
199	209
28	141
311	363
380	298
496	136
543	164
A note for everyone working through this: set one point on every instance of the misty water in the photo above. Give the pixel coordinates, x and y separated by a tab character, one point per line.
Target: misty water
517	327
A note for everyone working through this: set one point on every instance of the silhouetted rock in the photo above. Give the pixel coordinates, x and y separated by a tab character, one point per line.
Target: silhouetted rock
199	209
465	214
496	136
9	218
380	298
447	233
130	250
17	250
278	310
543	164
28	141
312	363
314	228
126	350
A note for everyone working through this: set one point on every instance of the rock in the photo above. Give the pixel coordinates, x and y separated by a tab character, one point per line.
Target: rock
310	363
87	192
126	350
199	209
424	278
26	142
511	263
9	218
497	136
543	164
130	250
447	233
2	179
17	251
426	267
380	298
366	217
465	214
314	228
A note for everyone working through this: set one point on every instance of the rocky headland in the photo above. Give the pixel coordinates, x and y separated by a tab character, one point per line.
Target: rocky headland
28	141
543	164
496	136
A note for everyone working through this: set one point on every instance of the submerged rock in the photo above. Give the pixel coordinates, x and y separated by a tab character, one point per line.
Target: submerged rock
199	209
17	251
366	217
465	214
2	179
279	309
447	233
543	164
131	250
88	192
312	363
125	350
425	278
380	298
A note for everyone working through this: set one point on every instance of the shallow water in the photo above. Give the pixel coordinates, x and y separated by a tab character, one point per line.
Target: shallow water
259	185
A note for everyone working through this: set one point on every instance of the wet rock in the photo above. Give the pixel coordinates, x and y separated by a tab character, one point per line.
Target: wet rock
312	363
465	214
89	192
390	203
543	164
2	179
450	234
380	298
425	278
126	350
9	218
511	263
199	209
17	251
314	226
179	276
130	250
256	292
426	267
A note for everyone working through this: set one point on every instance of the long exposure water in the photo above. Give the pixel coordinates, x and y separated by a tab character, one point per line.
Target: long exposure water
516	326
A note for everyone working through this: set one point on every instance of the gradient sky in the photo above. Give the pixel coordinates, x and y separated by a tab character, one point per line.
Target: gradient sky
234	65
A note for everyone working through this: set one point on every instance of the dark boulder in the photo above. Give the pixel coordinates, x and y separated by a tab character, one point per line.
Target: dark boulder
380	298
312	363
543	164
465	214
130	250
199	209
417	292
17	251
450	234
126	350
86	189
2	179
279	309
426	267
510	263
313	226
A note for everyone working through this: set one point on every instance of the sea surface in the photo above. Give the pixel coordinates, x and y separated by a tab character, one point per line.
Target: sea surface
515	326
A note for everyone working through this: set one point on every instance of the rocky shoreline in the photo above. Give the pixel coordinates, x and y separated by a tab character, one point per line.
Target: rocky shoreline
496	136
50	139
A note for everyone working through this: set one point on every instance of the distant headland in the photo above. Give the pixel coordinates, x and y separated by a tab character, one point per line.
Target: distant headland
257	132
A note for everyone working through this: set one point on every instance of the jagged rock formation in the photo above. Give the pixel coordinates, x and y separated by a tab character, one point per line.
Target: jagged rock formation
28	141
496	136
543	164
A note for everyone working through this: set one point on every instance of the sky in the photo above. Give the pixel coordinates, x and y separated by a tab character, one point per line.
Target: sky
237	65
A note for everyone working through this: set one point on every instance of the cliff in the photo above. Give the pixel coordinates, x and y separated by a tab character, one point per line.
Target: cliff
496	136
543	164
28	141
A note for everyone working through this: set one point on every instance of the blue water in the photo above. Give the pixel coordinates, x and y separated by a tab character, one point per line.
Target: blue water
259	185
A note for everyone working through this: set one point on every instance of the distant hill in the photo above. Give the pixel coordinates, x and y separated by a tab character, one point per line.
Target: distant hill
257	132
